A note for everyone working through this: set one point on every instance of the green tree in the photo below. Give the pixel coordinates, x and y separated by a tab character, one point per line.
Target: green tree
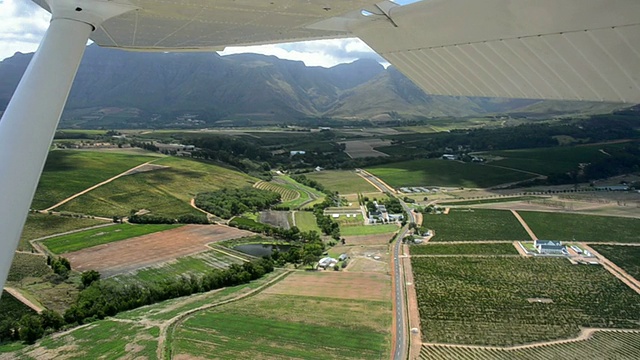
30	328
88	277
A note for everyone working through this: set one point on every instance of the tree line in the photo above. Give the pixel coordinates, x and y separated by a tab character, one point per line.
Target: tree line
227	203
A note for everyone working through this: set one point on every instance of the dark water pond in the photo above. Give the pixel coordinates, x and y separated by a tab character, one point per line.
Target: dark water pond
260	250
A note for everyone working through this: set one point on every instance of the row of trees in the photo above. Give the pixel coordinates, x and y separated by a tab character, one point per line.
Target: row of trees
160	219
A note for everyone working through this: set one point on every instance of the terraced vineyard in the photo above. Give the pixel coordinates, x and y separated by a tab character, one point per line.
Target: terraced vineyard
287	194
602	345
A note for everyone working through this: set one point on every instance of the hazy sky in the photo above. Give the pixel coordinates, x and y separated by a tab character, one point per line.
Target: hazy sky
23	23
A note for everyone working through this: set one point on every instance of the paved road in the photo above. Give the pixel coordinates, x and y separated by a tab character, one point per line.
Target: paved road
400	351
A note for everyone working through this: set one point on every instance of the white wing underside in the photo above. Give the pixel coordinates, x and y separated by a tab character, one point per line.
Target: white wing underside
537	49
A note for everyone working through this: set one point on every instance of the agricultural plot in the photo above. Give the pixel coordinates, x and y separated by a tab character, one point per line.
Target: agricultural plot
377	239
275	326
166	191
568	227
463	249
602	345
489	201
549	161
626	257
340	285
350	221
368	229
195	265
496	301
68	172
308	195
287	194
40	225
104	235
275	218
365	148
344	182
436	172
28	266
306	221
103	339
125	255
476	224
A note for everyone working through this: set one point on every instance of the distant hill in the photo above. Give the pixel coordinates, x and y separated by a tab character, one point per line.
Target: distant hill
250	86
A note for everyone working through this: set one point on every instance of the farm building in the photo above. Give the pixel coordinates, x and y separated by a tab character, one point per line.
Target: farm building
343	257
396	217
550	247
297	152
449	157
327	262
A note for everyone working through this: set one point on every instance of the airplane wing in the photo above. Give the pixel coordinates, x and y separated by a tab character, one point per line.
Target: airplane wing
537	49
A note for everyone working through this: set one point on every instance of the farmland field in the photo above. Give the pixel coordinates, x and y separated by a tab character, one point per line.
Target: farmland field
103	339
275	218
626	257
85	239
344	182
492	301
286	193
489	201
548	161
436	172
164	191
556	226
463	249
197	265
39	225
368	229
378	239
68	172
28	266
602	345
306	221
476	224
307	194
271	325
124	256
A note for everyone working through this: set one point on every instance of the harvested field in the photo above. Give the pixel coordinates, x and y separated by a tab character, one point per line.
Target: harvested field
368	265
275	218
135	253
377	239
339	285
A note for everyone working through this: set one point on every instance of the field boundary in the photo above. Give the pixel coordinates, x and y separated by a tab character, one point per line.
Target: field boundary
585	334
168	327
98	185
615	270
18	295
524	225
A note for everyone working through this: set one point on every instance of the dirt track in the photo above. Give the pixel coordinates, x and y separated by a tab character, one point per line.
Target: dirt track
614	269
135	253
16	294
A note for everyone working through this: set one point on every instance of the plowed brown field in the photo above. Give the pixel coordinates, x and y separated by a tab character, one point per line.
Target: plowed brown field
135	253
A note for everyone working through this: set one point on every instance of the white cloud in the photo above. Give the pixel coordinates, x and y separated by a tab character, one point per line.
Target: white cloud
23	23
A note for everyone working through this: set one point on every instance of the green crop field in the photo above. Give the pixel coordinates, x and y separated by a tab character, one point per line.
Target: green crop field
436	172
196	265
104	339
28	266
627	257
567	227
463	249
281	326
306	221
489	201
368	229
350	221
602	345
164	191
68	172
85	239
548	161
475	224
344	182
494	301
306	193
39	225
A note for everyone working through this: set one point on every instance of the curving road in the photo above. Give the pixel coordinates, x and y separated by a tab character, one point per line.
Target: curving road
399	291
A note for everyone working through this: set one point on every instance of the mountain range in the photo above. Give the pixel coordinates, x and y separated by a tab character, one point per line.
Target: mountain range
251	86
